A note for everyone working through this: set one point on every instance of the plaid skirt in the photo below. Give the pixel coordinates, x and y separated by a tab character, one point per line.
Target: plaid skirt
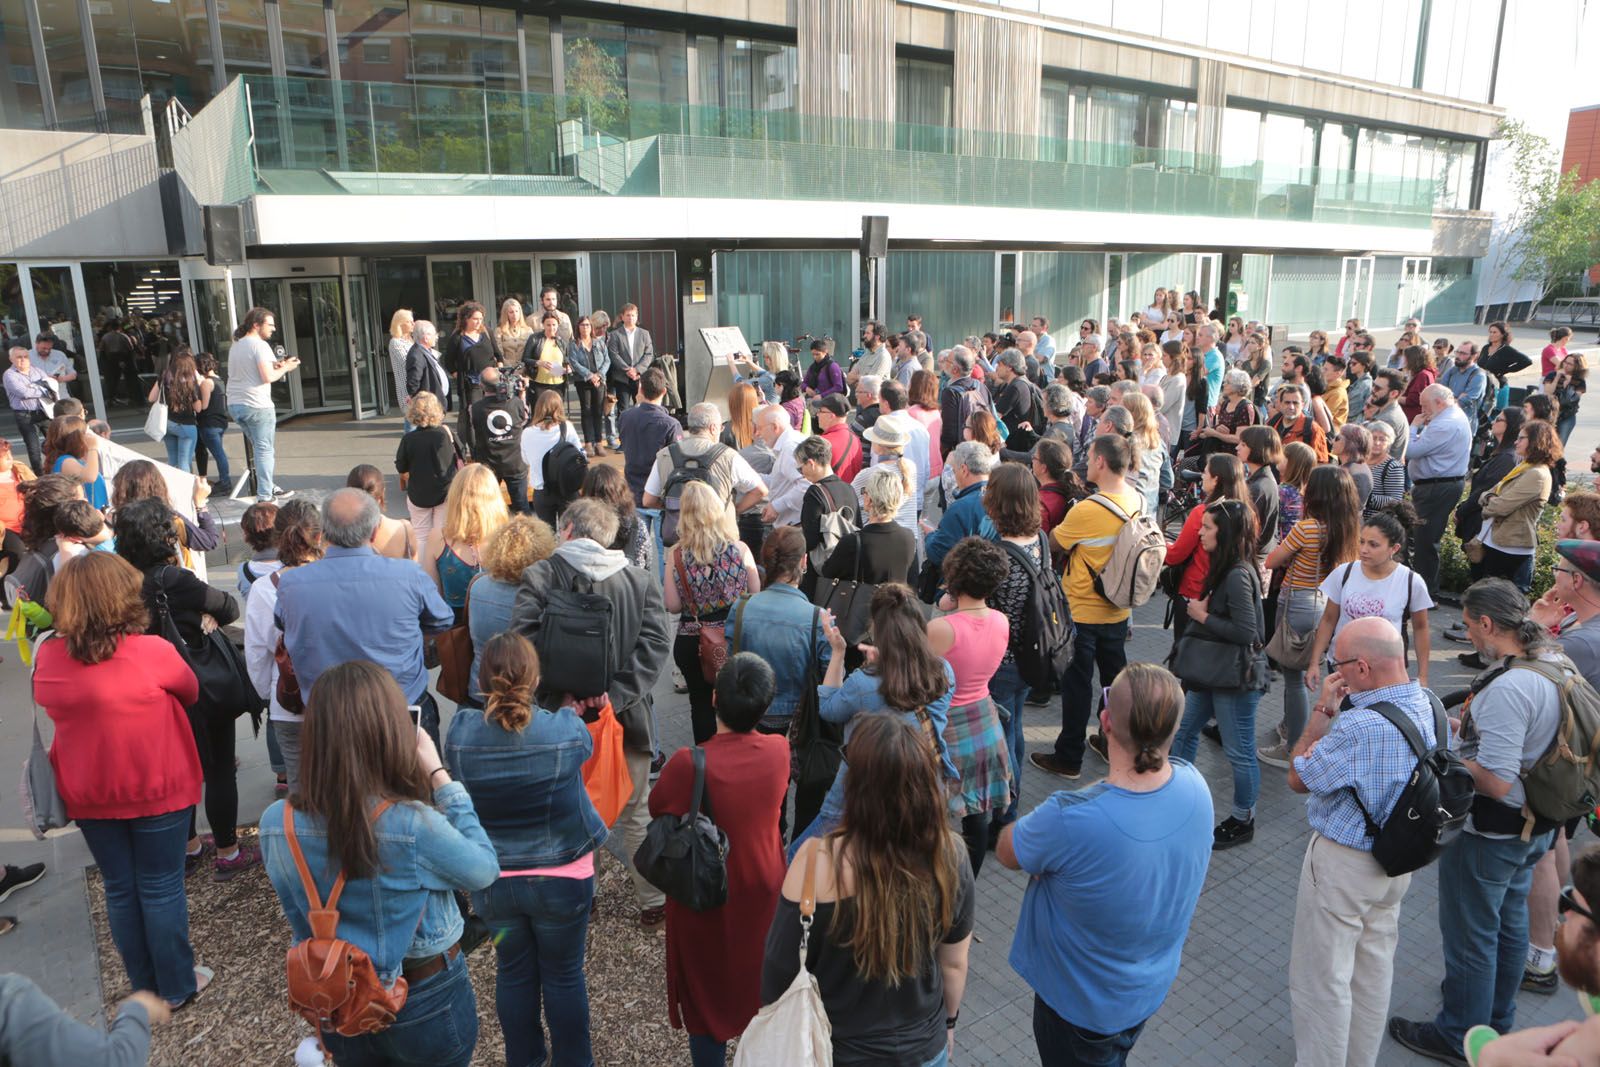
977	744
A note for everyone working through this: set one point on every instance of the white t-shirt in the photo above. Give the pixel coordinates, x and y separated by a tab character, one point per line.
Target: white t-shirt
246	386
1486	535
1154	314
56	363
745	477
536	441
1360	597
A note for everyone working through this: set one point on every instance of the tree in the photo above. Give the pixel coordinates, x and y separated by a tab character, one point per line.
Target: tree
595	91
1553	228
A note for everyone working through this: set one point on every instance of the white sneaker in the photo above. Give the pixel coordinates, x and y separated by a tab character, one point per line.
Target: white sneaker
1274	755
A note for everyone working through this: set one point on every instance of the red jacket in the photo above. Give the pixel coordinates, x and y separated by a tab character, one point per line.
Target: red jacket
847	450
123	747
1188	551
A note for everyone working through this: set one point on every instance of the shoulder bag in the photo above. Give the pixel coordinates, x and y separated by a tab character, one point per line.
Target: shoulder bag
713	638
793	1031
155	423
42	806
225	687
686	856
1204	661
849	600
815	741
1290	650
453	648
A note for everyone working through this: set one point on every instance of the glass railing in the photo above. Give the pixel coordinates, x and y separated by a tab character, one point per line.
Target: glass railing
312	135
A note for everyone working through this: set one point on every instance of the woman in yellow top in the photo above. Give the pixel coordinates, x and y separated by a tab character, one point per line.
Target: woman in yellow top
1325	537
544	357
512	334
1511	508
1336	391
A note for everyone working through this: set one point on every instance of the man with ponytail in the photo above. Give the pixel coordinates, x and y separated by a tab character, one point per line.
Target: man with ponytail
1507	725
1100	969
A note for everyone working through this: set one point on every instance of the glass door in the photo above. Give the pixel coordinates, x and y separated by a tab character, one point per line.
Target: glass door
269	294
513	279
1416	281
569	273
1355	289
371	357
450	284
318	330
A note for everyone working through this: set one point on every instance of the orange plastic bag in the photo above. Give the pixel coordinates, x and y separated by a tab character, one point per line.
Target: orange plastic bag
605	773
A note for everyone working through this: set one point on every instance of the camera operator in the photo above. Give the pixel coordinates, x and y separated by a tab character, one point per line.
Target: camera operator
497	422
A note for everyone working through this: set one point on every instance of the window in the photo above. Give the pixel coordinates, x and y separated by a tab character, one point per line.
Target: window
69	66
305	38
760	75
924	92
373	39
621	76
21	103
244	34
536	34
1104	126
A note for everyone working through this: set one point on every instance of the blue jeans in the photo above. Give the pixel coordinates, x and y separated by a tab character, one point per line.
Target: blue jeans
142	863
1305	613
1484	922
1235	712
212	438
438	1027
1063	1045
517	490
1008	690
707	1051
539	927
260	428
1095	644
274	753
180	440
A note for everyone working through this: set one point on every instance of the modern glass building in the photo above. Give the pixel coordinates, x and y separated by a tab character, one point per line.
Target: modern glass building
711	161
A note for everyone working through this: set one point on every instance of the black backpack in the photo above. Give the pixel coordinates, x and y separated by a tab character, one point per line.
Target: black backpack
686	856
1434	804
563	468
576	640
685	469
1044	641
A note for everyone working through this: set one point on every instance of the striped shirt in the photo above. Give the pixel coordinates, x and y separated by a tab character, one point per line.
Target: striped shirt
1305	540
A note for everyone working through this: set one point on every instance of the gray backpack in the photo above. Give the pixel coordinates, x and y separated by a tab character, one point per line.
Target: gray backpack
1131	575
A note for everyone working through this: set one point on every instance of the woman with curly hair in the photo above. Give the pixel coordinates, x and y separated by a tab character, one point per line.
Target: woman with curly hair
130	779
510	550
141	480
473	511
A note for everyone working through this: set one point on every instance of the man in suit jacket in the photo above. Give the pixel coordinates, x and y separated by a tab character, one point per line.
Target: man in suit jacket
632	353
424	373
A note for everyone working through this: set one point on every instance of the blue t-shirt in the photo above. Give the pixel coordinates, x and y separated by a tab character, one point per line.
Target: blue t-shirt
1100	964
1215	365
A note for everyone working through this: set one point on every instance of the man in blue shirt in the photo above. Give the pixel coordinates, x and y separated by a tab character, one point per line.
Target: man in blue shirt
1099	967
1044	344
356	604
1215	364
1467	381
964	517
1347	914
1436	460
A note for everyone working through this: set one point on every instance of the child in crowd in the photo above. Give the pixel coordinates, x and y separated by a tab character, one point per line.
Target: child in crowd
80	528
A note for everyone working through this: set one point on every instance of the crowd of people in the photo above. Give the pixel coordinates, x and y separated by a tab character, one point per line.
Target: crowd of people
860	576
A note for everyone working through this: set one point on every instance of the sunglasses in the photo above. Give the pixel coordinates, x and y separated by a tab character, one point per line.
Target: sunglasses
1568	902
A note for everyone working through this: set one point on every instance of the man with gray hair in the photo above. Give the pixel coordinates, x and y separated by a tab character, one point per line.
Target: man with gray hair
700	457
355	604
639	643
1017	401
868	390
1436	459
28	389
960	398
1095	402
424	373
971	462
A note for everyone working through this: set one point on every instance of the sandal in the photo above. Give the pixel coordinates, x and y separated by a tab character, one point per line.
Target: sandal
202	981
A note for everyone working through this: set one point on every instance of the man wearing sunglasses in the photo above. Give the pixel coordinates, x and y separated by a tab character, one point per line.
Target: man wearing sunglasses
1347	912
1508	725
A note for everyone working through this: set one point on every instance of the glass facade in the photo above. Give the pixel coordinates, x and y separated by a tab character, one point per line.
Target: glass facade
953	292
1065	287
780	295
648	279
1115	127
924	92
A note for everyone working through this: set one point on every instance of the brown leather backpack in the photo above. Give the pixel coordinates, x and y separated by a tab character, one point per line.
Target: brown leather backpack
332	983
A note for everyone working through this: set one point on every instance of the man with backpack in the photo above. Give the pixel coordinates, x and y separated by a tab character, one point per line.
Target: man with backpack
601	630
1089	533
646	428
497	420
700	457
960	398
1353	762
1508	725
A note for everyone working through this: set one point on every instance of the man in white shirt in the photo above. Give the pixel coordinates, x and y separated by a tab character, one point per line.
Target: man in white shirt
54	362
893	401
876	359
786	485
251	372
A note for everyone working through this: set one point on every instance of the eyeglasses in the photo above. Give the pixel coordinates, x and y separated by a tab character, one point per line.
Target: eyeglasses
1336	664
1568	902
1565	570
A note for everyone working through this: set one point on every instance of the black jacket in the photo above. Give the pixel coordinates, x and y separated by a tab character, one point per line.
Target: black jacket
497	422
422	377
1235	617
1505	360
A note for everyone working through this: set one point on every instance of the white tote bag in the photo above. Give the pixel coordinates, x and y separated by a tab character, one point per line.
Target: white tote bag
792	1031
155	423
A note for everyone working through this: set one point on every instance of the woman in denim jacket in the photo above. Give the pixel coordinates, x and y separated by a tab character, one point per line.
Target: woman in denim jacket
523	766
400	869
510	550
901	670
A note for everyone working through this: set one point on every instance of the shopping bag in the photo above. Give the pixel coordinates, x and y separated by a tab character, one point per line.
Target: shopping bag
605	773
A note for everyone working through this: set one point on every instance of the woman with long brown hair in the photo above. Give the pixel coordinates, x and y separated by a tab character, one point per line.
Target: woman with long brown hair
212	421
125	761
141	479
376	805
740	431
894	907
1326	536
1222	479
71	452
1511	507
523	766
547	428
466	354
179	386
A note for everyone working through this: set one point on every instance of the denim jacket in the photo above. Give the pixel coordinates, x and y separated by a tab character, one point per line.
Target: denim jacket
858	695
489	604
423	854
527	785
777	627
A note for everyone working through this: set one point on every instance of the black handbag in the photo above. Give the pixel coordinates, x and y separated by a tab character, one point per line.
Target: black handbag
815	742
225	687
849	600
929	580
1202	661
686	856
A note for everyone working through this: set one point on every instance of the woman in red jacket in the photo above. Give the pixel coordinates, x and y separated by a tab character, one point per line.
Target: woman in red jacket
125	761
1222	479
714	956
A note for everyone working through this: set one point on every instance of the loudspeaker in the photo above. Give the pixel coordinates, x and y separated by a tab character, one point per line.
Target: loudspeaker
224	225
874	236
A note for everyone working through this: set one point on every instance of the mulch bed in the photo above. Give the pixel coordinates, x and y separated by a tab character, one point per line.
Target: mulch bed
243	1018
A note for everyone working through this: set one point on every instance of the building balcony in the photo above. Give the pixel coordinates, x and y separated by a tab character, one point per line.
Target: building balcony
267	136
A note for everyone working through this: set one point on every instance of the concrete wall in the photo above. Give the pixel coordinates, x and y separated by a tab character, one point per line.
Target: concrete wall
76	194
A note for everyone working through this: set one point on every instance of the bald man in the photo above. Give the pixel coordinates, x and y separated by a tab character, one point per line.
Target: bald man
1436	459
1347	913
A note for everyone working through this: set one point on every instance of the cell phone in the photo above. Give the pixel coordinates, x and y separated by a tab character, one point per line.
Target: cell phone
415	711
